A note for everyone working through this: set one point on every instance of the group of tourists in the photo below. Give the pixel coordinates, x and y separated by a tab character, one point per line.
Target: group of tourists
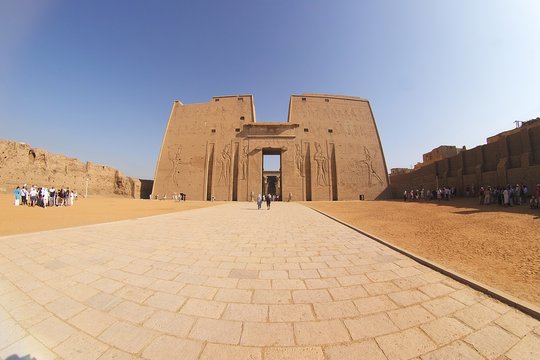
43	196
510	195
265	198
444	193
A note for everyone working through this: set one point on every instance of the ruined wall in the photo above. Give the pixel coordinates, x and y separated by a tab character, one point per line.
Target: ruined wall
22	164
510	159
329	147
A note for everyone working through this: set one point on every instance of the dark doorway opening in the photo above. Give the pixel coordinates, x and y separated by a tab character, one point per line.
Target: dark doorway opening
271	173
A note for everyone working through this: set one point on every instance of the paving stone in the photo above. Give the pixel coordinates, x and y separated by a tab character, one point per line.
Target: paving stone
443	306
93	322
492	341
370	326
348	293
517	323
267	334
410	316
253	284
368	350
80	346
170	323
65	308
228	352
107	285
11	332
44	295
290	312
127	337
320	332
234	295
165	301
321	283
495	305
246	312
445	330
294	353
203	308
103	301
405	344
132	312
81	292
381	288
434	290
51	331
476	316
288	284
170	287
272	297
133	293
217	331
335	310
28	346
310	296
29	314
408	297
198	291
411	282
527	348
165	346
467	296
374	304
456	350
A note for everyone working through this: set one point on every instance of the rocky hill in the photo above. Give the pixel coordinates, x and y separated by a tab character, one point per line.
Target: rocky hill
22	164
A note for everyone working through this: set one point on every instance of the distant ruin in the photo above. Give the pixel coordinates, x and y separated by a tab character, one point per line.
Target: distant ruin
510	157
329	150
20	164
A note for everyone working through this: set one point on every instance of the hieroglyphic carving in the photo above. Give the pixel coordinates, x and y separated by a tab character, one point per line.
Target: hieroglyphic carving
322	165
244	162
299	160
225	163
175	157
371	171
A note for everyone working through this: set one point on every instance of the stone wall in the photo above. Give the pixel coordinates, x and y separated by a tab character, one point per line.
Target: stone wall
512	159
22	164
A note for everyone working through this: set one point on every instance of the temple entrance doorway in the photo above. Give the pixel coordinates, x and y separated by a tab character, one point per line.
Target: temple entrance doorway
271	173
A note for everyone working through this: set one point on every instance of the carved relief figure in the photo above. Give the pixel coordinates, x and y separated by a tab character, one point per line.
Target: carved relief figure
175	157
371	171
225	163
299	160
243	161
322	165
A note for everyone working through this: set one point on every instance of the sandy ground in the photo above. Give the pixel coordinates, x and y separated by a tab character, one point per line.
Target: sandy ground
93	210
497	246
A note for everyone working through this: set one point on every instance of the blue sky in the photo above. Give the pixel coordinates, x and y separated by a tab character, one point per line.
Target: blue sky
96	79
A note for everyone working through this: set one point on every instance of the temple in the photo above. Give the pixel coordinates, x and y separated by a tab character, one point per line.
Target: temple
329	149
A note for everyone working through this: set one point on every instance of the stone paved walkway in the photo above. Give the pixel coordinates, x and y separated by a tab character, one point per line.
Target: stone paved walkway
231	282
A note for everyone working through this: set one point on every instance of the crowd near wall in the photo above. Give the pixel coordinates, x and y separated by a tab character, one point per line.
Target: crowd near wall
513	158
21	164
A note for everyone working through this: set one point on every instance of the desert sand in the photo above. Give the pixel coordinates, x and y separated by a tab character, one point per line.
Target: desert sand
92	210
497	246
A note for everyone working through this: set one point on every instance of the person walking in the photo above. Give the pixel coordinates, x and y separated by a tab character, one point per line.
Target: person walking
17	193
268	201
259	202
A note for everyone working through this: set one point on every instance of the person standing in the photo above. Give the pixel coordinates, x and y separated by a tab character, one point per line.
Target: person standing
17	193
268	201
259	202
